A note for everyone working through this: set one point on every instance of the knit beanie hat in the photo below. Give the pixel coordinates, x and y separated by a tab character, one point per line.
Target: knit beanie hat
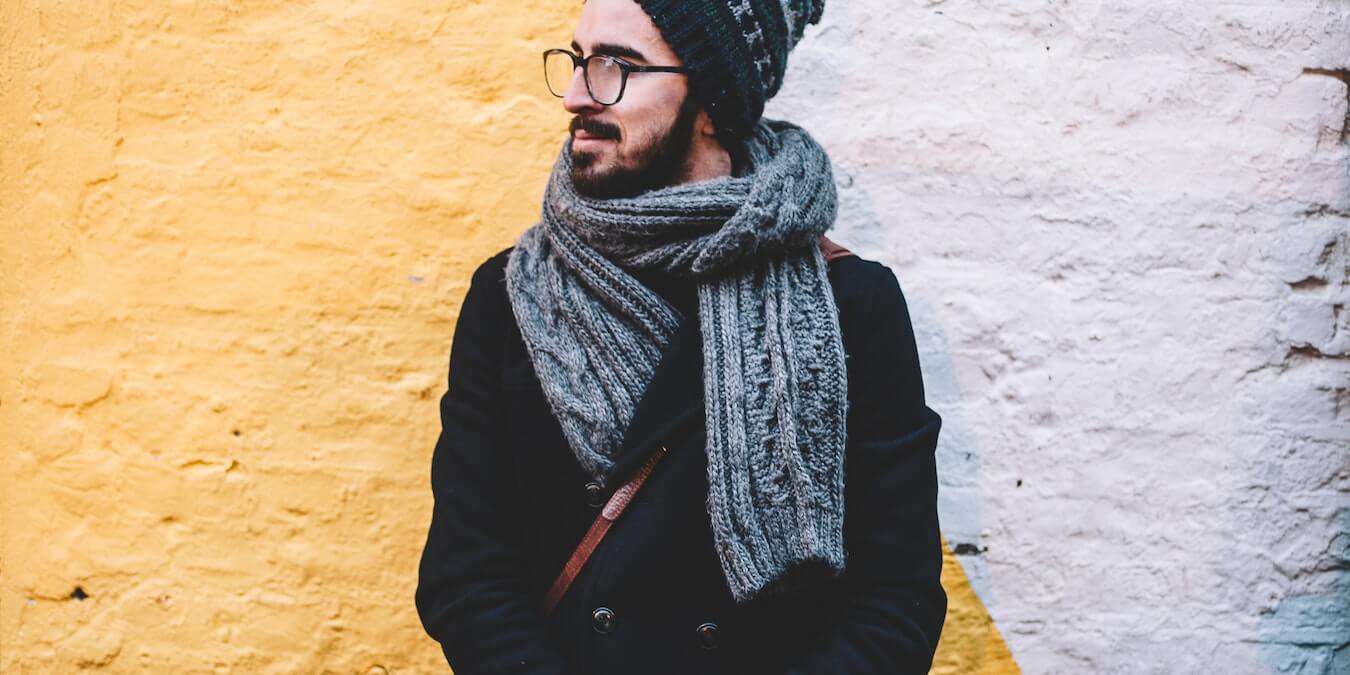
738	50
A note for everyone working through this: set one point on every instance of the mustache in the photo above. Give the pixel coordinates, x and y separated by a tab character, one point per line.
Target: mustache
593	127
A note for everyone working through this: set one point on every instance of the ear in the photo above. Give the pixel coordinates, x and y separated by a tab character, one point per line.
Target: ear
703	125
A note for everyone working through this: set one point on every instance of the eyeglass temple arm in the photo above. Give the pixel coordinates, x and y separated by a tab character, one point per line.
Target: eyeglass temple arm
660	69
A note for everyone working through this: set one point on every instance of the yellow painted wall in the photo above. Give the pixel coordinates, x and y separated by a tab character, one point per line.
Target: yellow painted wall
970	641
233	240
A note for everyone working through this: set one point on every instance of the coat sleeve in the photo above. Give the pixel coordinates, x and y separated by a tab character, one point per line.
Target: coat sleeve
893	607
471	596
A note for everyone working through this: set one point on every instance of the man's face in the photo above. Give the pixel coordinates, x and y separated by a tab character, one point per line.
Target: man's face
642	142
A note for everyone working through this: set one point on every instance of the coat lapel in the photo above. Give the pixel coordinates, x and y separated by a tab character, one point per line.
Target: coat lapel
673	398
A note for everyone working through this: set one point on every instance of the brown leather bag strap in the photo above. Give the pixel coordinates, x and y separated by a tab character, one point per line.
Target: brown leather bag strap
613	508
832	250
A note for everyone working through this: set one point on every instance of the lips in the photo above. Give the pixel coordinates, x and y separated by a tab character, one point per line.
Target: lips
585	142
583	135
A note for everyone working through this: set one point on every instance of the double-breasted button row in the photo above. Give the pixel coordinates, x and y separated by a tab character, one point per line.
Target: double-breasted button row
595	494
603	619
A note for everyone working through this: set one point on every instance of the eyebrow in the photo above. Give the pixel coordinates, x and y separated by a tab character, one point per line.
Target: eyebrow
611	49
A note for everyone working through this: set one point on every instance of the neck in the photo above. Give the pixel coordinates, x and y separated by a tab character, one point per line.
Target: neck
707	159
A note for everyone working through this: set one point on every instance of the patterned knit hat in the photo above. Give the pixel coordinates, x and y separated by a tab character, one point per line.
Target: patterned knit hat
738	49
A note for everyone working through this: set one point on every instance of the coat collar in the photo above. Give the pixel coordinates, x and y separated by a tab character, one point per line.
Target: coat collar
673	398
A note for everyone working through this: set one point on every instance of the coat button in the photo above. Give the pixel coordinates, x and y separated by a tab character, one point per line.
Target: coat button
603	619
595	494
707	635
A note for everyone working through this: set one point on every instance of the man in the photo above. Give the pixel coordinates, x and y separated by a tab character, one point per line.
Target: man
676	321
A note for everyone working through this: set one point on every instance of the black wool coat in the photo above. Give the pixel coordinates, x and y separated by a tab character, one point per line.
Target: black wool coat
511	503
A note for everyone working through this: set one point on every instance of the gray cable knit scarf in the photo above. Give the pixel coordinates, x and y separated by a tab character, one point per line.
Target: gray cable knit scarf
775	385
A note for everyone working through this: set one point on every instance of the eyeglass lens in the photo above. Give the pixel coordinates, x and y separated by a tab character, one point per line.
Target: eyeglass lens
603	75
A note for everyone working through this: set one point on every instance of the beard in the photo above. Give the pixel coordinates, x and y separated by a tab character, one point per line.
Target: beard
657	164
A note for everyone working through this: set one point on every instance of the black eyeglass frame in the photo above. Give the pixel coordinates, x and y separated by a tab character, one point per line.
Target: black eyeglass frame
624	67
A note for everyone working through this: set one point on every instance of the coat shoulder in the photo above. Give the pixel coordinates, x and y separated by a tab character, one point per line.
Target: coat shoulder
858	282
491	274
494	268
487	303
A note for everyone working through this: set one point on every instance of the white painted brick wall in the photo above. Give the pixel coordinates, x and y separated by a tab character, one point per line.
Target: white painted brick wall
1124	233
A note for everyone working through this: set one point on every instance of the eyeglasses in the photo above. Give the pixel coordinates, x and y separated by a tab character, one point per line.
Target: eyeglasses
606	76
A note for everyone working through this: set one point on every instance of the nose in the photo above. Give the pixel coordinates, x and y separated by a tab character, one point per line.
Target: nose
577	99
